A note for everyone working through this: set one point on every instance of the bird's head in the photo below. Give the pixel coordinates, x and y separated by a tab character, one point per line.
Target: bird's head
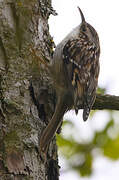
87	30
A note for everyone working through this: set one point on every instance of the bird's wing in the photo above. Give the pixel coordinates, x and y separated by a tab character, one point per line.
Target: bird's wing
83	70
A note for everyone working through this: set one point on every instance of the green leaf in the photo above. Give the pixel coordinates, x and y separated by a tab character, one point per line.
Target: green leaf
66	122
111	149
101	90
86	168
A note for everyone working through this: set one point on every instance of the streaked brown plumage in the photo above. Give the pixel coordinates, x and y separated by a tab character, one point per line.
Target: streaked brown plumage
83	54
75	70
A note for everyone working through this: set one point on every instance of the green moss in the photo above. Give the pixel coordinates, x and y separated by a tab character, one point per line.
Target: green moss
12	106
11	139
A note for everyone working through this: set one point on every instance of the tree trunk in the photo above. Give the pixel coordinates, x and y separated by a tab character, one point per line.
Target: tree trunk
27	100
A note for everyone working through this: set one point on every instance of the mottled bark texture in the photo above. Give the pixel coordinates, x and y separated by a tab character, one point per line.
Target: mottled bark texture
27	100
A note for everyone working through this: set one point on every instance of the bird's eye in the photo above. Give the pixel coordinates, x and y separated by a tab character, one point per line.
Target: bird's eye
83	28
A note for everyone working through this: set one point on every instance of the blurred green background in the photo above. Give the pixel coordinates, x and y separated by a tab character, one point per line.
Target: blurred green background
80	150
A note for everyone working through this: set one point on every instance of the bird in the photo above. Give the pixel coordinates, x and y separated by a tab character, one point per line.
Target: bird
75	70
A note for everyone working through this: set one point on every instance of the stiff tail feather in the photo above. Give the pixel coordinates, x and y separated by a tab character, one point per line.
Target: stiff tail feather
86	113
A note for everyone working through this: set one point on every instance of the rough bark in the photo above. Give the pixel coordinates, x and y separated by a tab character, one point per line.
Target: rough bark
26	95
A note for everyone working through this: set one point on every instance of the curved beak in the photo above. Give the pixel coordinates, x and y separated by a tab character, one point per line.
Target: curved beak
82	16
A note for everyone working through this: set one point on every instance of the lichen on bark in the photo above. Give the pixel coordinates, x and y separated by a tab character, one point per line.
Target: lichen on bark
22	118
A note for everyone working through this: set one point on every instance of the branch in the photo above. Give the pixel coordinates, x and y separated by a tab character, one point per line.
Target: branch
106	101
